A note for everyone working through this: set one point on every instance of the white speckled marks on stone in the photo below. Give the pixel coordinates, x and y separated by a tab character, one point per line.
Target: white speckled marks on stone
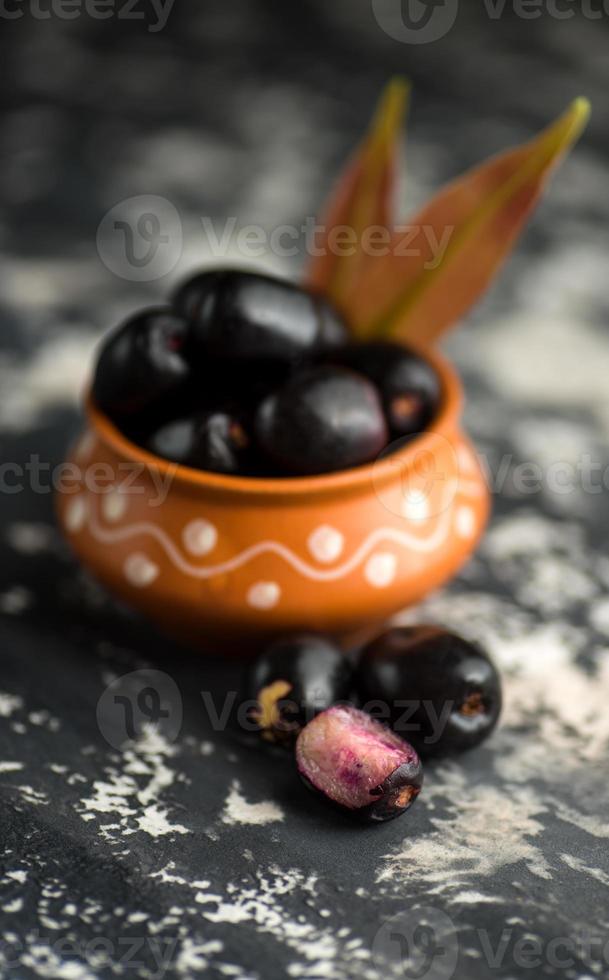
237	810
140	570
16	600
75	514
263	595
114	506
9	704
30	537
599	616
199	537
132	791
326	543
11	766
380	569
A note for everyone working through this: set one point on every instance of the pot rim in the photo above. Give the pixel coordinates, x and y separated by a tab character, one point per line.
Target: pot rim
355	478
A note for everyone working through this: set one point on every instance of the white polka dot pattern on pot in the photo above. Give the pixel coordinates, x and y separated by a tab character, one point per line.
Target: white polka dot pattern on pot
75	514
380	569
140	570
264	595
465	522
114	506
415	506
378	566
199	537
326	543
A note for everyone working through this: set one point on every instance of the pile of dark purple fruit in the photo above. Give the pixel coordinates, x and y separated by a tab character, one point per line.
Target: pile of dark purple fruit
359	732
248	374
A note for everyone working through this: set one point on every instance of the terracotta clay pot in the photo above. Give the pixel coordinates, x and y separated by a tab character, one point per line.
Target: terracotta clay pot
233	560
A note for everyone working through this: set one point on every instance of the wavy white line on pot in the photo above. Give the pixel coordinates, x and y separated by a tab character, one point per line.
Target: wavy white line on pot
407	541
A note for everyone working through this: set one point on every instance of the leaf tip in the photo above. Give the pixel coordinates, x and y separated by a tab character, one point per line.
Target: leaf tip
575	118
580	109
392	107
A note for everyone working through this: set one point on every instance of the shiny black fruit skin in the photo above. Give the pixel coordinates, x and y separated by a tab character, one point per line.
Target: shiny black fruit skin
192	296
240	315
141	363
443	693
409	387
211	441
324	419
294	679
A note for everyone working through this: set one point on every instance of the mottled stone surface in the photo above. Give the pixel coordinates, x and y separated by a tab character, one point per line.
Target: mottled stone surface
194	855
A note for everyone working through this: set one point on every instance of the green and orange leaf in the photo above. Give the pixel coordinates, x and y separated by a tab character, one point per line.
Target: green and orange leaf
363	197
419	289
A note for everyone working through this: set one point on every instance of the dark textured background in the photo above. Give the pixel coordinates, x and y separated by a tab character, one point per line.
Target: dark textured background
199	848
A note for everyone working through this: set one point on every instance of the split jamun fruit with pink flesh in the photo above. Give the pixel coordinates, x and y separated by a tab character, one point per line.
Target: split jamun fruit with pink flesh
358	764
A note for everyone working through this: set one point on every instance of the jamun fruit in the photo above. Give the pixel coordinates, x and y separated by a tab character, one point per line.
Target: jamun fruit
409	387
141	363
359	764
324	419
293	680
240	315
441	691
212	441
193	297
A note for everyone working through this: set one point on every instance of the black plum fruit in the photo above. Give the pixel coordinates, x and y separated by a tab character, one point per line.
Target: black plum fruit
240	315
358	764
442	691
409	387
212	441
197	293
294	679
236	345
325	418
141	363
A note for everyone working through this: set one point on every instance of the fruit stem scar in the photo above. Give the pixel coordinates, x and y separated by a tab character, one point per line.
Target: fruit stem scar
267	713
473	705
